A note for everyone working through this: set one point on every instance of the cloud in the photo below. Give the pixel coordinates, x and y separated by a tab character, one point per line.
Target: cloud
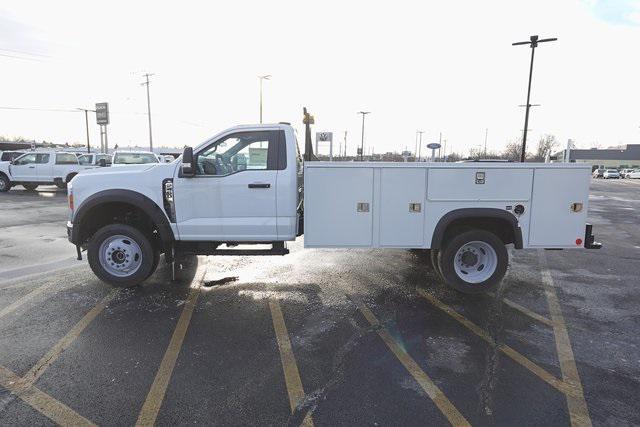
617	12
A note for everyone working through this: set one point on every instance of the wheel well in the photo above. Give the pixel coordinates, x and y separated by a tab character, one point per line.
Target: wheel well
118	213
70	177
4	175
498	226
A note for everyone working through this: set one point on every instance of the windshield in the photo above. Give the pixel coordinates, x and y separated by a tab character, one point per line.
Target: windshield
134	158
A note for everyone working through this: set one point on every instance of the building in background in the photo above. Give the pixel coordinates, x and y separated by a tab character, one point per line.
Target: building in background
619	158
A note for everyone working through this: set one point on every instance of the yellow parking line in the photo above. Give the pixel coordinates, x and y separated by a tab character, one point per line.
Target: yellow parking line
25	298
578	409
52	355
51	408
514	355
524	310
151	407
289	365
430	388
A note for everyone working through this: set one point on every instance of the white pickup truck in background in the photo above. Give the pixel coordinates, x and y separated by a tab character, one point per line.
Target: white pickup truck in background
40	168
249	185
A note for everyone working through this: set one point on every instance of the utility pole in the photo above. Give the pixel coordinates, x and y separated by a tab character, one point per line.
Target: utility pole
345	143
415	153
146	83
86	121
486	133
420	132
364	113
266	77
533	43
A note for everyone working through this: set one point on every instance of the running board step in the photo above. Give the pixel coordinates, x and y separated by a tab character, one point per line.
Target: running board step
240	252
206	248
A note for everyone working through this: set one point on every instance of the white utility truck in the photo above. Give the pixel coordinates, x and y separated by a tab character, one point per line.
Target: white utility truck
39	168
249	185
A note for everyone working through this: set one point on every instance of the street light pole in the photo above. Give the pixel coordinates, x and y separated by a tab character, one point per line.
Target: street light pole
86	121
265	77
420	132
533	43
146	83
364	113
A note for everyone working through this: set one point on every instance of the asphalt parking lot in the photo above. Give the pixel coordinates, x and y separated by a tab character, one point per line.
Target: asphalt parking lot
324	337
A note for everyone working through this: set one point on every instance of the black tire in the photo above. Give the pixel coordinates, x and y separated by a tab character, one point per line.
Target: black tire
148	254
5	184
61	184
156	261
30	187
434	263
446	262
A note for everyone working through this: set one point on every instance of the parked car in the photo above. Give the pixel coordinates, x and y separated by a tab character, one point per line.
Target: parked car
40	168
611	174
123	158
634	174
7	156
598	173
625	172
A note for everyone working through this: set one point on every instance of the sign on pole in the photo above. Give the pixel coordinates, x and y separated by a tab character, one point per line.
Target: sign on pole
102	113
434	146
325	137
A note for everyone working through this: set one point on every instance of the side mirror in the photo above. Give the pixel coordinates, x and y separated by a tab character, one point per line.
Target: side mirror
102	163
188	162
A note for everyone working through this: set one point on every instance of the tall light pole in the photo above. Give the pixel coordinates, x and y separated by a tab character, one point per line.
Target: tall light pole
364	113
533	43
265	77
86	121
146	83
420	132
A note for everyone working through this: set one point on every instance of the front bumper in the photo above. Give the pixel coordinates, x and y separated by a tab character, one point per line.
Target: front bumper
589	239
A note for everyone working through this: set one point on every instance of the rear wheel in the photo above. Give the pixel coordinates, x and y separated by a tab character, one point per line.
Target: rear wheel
474	261
121	255
30	187
5	184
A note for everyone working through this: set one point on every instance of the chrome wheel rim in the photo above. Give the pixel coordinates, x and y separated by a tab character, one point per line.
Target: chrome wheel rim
3	184
120	255
475	262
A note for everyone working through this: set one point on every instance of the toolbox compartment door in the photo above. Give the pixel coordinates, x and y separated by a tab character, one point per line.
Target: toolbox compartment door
338	207
553	222
402	209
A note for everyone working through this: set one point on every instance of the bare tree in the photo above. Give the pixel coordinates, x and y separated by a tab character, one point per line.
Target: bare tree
546	146
512	151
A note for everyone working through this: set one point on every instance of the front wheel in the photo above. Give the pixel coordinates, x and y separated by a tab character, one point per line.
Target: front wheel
121	255
5	184
474	261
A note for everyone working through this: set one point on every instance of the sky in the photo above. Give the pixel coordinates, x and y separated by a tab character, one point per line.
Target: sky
441	67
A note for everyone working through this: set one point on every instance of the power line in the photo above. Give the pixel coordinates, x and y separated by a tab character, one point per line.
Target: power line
22	52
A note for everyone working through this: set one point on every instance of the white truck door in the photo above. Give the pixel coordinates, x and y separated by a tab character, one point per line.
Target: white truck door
44	167
24	168
233	195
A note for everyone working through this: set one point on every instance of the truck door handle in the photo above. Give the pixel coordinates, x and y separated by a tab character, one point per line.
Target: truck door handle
257	185
32	167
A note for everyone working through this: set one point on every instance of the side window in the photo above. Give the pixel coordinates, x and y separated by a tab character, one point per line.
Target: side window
239	152
42	158
27	159
84	160
66	159
106	157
